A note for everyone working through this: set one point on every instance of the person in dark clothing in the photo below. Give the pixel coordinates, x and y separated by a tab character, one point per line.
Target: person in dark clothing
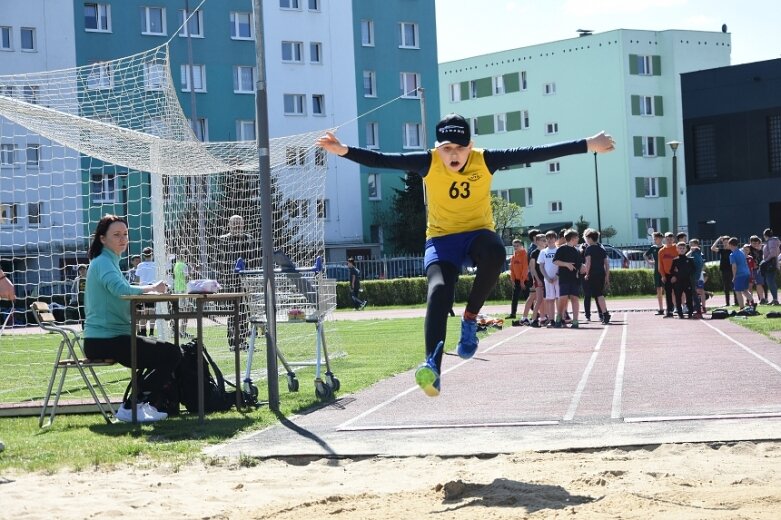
234	245
721	248
681	274
597	269
460	227
355	285
568	259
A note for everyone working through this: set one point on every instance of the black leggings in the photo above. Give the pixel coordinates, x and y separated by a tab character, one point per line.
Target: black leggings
161	356
488	254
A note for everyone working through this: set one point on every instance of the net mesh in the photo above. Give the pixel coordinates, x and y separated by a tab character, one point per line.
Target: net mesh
111	137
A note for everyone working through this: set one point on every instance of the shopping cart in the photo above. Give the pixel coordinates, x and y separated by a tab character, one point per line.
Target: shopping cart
303	297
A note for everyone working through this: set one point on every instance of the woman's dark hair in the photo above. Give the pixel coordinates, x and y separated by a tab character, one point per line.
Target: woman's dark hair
100	230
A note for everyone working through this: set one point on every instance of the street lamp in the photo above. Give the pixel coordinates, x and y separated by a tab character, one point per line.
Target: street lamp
596	180
674	147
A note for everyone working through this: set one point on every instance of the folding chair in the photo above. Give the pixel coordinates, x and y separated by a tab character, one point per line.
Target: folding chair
67	358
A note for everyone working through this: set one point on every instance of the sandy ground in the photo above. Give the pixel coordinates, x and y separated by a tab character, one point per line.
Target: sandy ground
688	481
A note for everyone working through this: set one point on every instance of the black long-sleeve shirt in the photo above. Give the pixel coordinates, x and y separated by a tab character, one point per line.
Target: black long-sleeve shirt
682	269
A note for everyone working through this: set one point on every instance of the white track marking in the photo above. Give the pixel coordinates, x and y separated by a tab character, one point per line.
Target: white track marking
573	405
618	388
744	347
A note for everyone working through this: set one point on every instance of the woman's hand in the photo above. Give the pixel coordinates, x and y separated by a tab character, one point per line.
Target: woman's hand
158	287
331	144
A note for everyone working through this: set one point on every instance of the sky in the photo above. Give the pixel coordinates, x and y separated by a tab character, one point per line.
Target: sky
468	28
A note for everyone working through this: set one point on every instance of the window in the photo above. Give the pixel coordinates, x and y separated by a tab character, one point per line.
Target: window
645	65
320	157
153	21
34	210
6	39
551	128
28	39
408	33
7	91
527	193
774	142
30	94
549	89
314	5
653	223
410	82
295	104
651	187
241	26
154	76
367	33
8	214
500	123
646	105
412	135
290	4
555	206
102	188
372	134
33	155
524	84
315	52
498	85
297	208
318	104
7	154
455	92
473	122
198	77
293	52
524	119
97	17
245	130
295	155
373	185
243	79
323	209
200	129
554	167
100	76
369	83
472	89
649	147
194	25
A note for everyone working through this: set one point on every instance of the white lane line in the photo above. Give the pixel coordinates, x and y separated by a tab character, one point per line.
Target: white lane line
573	405
619	384
744	347
429	426
398	396
758	415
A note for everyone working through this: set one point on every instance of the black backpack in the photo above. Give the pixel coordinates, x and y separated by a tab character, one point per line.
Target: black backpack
165	397
719	314
215	397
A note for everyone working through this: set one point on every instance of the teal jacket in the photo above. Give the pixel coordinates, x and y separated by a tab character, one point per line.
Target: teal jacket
107	315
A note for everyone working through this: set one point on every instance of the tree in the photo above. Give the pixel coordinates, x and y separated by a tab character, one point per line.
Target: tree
407	223
507	215
608	232
581	225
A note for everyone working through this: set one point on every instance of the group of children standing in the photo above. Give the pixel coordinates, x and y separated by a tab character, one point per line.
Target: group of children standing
559	268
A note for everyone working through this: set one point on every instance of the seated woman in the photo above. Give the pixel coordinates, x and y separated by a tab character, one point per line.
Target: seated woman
107	323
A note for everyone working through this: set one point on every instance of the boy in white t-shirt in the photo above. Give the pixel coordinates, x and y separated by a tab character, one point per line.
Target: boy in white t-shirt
550	272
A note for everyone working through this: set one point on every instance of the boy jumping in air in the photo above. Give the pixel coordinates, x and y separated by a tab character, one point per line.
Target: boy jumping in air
460	227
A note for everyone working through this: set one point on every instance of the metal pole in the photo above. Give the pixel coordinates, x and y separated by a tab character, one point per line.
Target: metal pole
596	180
267	237
675	191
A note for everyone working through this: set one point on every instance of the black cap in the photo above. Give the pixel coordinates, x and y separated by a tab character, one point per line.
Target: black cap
453	128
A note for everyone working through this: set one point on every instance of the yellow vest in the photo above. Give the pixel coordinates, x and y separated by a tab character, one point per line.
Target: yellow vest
458	201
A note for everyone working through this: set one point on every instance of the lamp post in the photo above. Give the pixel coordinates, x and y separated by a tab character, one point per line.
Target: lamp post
674	147
596	181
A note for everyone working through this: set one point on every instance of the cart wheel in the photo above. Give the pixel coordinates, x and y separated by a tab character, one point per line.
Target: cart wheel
292	383
332	381
322	390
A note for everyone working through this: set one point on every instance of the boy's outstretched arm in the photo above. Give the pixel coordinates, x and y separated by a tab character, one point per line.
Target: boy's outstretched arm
601	143
331	144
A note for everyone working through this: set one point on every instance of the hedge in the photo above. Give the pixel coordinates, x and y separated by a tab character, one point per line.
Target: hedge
411	291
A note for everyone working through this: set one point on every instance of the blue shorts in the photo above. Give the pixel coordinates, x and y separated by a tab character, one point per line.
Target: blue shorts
759	279
454	248
700	284
740	282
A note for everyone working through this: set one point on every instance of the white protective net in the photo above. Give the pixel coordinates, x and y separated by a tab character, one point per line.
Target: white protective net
111	137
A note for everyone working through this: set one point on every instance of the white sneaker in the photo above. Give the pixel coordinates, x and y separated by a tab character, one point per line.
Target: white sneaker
145	412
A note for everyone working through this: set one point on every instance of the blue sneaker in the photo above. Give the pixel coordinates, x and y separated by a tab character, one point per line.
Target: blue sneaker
427	375
467	345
